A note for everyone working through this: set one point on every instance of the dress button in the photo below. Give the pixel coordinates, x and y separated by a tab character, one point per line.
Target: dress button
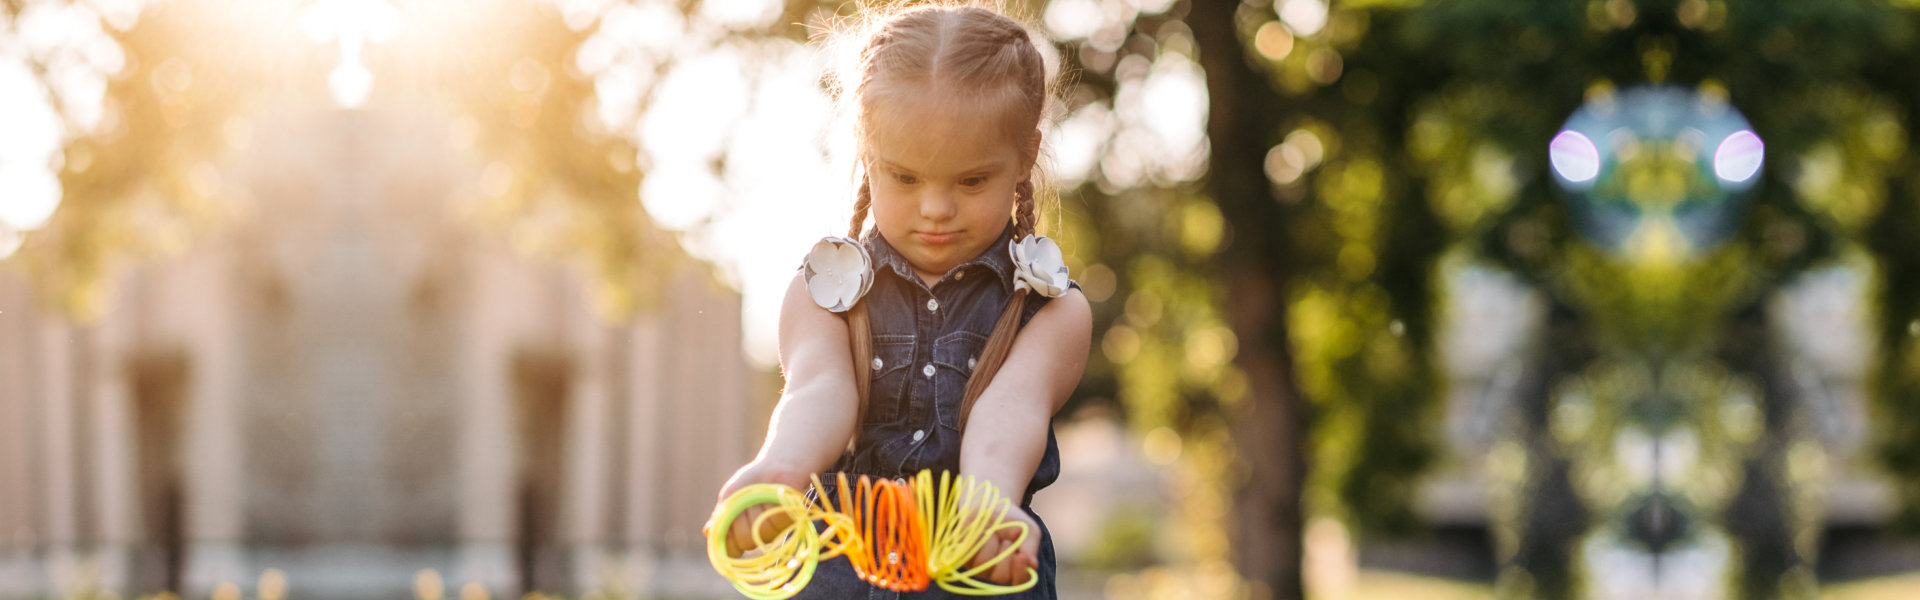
969	363
959	276
927	370
932	305
877	363
919	434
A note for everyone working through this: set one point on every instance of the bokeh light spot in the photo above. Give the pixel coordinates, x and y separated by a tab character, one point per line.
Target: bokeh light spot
1305	17
1739	157
1574	157
1273	41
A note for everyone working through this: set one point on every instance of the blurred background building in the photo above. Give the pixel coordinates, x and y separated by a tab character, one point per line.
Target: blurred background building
349	386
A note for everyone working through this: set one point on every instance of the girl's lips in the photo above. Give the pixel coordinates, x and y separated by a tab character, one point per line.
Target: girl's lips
937	239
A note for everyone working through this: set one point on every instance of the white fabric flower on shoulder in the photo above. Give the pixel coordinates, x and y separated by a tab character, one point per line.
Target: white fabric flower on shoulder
1039	265
839	273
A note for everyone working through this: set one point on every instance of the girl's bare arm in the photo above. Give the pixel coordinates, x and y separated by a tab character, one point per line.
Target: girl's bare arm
814	419
1007	431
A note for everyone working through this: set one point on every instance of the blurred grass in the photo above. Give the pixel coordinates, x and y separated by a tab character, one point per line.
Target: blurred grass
1899	587
1380	585
1375	585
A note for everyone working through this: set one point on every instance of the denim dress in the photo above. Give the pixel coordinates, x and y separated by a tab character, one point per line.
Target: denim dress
925	343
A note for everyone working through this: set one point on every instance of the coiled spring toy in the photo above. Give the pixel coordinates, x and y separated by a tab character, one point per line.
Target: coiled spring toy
897	535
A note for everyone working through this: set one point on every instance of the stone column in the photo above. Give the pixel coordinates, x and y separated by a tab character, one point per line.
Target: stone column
20	504
497	290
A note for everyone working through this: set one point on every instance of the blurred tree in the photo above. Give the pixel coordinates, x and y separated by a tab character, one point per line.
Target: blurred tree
136	164
1260	266
1392	132
558	182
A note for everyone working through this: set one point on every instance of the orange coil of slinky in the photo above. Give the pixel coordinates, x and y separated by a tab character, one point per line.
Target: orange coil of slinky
892	552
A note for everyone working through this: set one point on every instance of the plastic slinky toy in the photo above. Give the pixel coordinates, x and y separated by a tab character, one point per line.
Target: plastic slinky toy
899	536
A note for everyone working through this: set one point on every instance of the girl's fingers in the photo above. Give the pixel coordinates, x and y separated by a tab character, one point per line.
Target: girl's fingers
740	536
739	539
1014	568
779	522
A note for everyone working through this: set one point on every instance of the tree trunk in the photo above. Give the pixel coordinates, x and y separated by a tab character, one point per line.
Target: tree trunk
1244	118
1268	432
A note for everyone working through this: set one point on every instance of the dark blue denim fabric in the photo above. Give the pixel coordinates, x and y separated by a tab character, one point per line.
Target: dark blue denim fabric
925	342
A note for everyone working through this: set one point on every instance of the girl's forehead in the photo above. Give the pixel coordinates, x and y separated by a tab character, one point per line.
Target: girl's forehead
931	133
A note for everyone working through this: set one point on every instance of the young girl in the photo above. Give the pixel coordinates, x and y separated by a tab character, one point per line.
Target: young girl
947	104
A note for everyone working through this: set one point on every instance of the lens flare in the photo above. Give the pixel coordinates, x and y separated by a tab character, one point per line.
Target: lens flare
1574	156
1739	157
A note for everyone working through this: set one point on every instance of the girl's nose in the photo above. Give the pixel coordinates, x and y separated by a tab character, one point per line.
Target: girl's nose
937	205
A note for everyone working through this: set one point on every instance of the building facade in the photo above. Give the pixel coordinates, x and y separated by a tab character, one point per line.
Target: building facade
350	383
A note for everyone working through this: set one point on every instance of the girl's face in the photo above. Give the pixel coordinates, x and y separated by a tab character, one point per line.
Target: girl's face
942	178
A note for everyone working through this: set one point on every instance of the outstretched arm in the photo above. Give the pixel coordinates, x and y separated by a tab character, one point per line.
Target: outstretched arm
1007	430
814	419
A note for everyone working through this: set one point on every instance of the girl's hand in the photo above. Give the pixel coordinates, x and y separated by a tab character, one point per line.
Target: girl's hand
739	532
1013	570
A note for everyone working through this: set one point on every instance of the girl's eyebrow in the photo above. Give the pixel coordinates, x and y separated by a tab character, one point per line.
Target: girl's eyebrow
894	166
981	169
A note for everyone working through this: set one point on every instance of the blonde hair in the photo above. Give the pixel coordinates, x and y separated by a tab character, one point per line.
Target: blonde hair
947	47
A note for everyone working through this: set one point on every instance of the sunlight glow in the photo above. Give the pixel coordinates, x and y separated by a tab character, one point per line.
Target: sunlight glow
737	142
32	194
350	82
40	112
680	193
350	24
741	14
9	241
694	106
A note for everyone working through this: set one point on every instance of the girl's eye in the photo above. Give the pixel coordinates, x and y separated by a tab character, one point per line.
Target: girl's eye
973	181
905	178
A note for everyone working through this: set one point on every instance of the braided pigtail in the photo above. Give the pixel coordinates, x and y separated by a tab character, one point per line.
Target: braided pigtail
1024	222
861	201
859	325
